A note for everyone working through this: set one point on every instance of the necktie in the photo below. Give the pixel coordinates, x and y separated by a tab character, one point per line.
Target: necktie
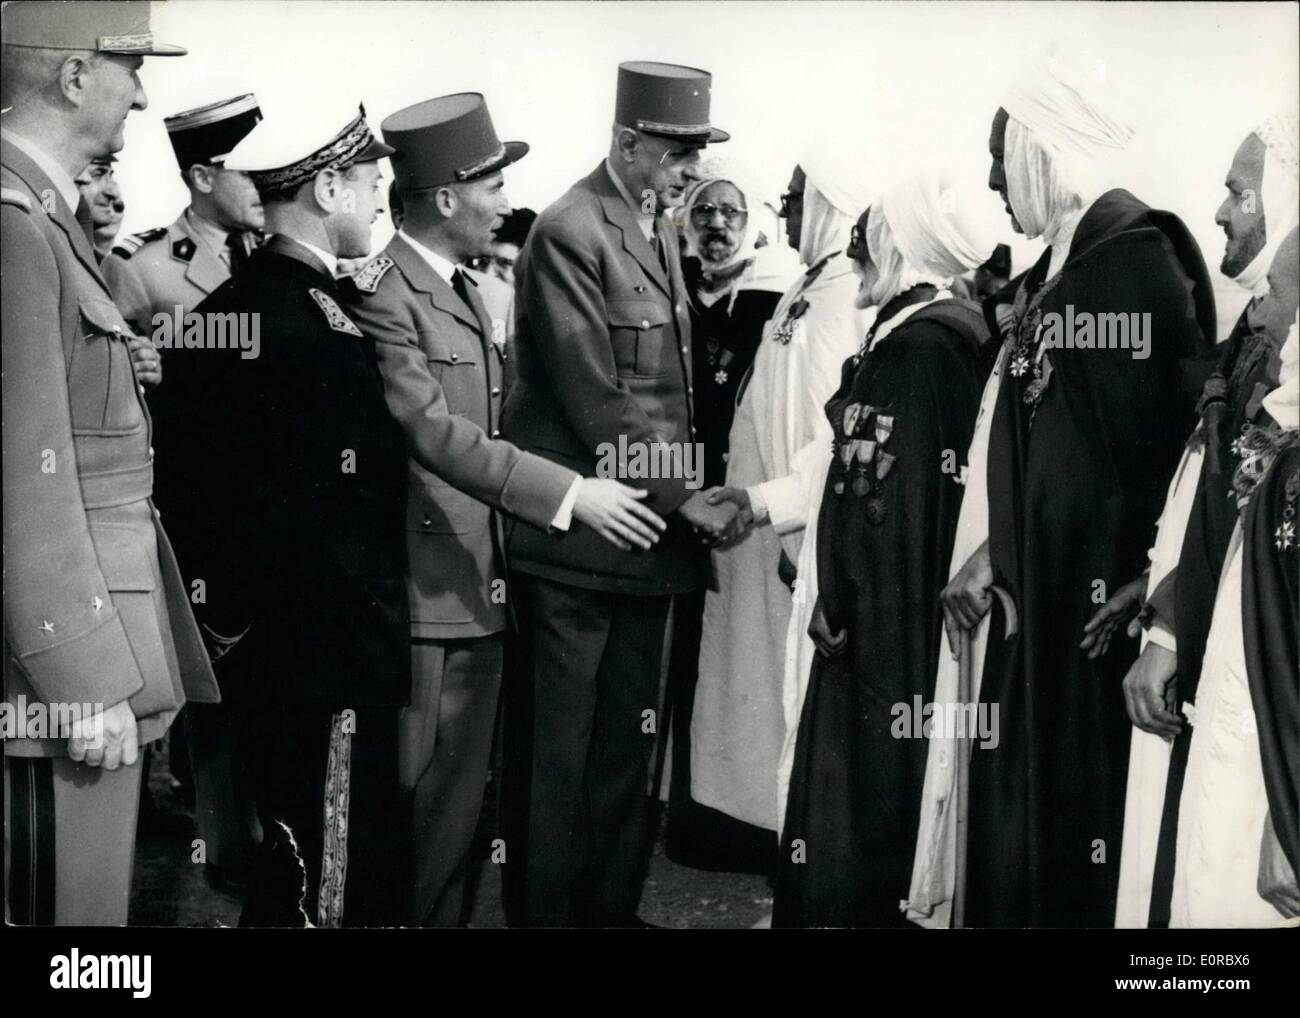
461	287
84	220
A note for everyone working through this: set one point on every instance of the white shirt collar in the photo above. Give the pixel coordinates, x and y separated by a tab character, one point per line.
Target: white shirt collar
58	175
643	220
442	266
331	261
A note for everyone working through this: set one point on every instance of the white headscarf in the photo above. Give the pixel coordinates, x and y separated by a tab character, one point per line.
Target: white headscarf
837	190
938	225
1064	127
1279	196
1283	403
713	170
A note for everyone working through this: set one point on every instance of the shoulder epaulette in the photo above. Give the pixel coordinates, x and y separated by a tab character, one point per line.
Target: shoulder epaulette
12	196
339	321
132	243
369	275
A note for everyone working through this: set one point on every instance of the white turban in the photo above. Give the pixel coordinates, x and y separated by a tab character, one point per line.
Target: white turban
1283	403
713	170
1063	129
925	229
838	189
1279	196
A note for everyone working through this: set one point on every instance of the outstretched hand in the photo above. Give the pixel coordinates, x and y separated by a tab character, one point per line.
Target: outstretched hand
1122	607
615	512
711	522
744	518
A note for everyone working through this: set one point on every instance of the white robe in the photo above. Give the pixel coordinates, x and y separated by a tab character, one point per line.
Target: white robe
1148	757
929	898
778	440
1224	805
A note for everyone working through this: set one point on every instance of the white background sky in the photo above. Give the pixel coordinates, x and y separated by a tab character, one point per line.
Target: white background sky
918	78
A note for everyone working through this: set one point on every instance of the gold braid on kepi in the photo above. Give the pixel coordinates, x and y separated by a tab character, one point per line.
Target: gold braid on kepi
340	153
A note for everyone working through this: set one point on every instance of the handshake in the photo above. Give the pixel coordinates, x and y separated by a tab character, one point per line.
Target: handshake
721	515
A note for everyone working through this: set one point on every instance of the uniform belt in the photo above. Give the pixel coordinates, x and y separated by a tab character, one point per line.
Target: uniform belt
102	491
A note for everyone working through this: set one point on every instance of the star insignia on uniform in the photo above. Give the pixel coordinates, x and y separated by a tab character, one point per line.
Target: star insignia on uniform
47	626
339	322
97	603
720	376
1285	536
1019	365
184	249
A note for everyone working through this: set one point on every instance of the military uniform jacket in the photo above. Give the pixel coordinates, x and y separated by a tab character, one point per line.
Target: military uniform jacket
443	379
602	334
94	608
289	489
150	273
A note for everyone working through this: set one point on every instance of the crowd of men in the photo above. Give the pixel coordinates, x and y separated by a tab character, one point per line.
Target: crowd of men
353	512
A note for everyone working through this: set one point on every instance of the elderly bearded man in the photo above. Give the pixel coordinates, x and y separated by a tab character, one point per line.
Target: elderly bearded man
603	338
1047	803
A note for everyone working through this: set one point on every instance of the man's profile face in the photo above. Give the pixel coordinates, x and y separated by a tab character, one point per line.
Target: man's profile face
502	262
667	168
238	206
359	206
863	267
103	197
481	206
113	90
1241	216
792	207
1277	310
997	171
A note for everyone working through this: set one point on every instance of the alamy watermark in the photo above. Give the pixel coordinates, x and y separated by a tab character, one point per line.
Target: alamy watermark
1106	331
920	720
641	460
40	720
233	330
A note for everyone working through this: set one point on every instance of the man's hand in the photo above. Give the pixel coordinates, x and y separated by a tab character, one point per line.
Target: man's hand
1276	883
147	362
1150	694
1122	607
106	739
744	518
966	598
615	512
819	629
711	522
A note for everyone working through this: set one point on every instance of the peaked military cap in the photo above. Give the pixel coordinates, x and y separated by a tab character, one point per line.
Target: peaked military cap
668	100
208	133
121	28
446	140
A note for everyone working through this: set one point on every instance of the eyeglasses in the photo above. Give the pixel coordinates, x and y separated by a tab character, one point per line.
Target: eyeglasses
788	201
481	263
703	213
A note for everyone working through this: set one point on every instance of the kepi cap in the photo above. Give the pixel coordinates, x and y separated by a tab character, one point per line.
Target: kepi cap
121	27
206	134
446	140
281	153
668	100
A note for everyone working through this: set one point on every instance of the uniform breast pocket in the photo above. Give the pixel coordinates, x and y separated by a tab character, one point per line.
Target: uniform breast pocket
641	337
101	381
458	371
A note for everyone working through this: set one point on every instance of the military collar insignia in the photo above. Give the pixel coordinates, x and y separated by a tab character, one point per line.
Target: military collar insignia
131	244
184	249
367	279
339	322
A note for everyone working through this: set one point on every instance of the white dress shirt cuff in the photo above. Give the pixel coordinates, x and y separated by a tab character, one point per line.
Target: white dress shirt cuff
564	515
757	503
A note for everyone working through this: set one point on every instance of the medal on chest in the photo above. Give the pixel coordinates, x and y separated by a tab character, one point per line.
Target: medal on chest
785	329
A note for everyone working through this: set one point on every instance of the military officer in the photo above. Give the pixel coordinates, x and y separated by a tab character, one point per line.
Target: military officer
168	271
152	272
294	483
103	199
443	376
97	623
603	338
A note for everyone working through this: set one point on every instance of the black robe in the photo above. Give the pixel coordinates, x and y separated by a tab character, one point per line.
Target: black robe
883	554
1075	487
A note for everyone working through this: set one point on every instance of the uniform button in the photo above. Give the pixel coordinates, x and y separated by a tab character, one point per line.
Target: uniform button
690	391
496	432
684	350
455	356
679	309
645	323
427	522
726	457
496	391
151	452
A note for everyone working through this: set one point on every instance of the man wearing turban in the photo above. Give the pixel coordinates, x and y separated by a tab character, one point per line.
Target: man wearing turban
1085	435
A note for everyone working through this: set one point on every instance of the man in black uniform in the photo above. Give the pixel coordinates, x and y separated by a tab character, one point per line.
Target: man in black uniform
292	527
